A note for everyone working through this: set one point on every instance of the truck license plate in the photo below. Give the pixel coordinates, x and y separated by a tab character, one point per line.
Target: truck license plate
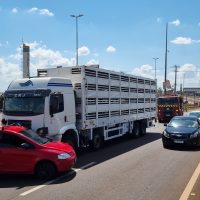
178	141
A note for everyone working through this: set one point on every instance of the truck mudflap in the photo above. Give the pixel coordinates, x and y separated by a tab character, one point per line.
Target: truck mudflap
151	122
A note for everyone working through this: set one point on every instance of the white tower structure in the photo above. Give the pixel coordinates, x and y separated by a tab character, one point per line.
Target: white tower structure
26	61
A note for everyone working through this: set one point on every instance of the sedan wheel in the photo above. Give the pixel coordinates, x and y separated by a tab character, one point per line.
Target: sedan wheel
45	170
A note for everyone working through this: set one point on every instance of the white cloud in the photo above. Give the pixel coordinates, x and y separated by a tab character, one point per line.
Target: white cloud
187	68
83	51
184	41
35	45
190	75
44	11
110	49
92	62
144	70
43	58
14	10
9	70
176	22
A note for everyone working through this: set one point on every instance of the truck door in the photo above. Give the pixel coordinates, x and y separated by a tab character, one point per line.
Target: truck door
56	117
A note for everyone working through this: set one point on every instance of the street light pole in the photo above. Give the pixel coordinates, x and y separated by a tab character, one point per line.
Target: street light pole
76	17
175	78
155	59
166	50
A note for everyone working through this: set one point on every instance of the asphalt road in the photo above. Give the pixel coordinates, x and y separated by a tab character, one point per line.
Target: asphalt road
124	169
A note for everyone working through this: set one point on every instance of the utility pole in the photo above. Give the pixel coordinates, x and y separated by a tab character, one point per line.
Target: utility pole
175	78
166	50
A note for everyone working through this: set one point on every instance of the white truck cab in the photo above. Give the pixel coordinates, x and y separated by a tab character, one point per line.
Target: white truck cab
46	105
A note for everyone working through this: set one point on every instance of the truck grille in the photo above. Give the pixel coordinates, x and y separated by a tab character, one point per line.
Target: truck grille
25	123
168	112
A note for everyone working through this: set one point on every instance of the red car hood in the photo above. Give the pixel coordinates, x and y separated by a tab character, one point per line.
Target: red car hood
59	146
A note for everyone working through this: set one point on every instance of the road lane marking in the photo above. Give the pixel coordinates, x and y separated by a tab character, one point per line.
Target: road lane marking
87	166
190	184
54	180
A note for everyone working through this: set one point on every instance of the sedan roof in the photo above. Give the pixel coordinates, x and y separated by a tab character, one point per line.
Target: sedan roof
185	117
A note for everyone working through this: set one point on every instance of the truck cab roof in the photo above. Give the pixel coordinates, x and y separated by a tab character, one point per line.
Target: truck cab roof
52	83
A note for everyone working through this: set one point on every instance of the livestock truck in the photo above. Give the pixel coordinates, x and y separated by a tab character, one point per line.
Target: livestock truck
83	106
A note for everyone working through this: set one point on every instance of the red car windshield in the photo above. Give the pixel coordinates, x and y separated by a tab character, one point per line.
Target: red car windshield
34	136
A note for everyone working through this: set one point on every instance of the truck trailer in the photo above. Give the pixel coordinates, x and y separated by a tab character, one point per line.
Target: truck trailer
83	106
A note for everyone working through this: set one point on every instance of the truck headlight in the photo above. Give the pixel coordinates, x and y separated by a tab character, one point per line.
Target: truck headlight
166	134
194	135
63	156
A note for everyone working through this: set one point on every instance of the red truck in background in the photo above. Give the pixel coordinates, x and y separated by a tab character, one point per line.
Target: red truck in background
168	107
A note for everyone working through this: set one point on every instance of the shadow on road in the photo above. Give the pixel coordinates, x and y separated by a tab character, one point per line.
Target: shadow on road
114	148
20	181
110	150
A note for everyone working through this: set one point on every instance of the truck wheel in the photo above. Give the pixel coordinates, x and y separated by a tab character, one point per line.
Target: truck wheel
45	170
143	130
70	139
136	130
96	142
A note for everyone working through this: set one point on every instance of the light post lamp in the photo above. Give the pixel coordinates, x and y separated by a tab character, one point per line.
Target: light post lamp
155	59
76	17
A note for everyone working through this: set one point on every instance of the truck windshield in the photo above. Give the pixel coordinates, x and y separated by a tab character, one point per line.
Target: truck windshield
23	106
165	101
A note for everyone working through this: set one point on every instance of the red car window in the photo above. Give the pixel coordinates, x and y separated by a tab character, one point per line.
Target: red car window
10	140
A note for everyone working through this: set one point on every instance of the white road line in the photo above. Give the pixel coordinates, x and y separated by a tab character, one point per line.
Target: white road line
191	184
54	180
88	165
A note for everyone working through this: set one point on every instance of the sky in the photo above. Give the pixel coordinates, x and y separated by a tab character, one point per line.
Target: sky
124	36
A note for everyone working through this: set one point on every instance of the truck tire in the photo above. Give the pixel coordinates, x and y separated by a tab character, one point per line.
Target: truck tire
70	139
45	170
143	129
136	130
96	142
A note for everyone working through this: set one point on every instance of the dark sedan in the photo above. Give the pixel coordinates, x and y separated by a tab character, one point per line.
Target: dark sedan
182	130
195	113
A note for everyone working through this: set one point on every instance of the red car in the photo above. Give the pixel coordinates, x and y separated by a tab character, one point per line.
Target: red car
23	151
